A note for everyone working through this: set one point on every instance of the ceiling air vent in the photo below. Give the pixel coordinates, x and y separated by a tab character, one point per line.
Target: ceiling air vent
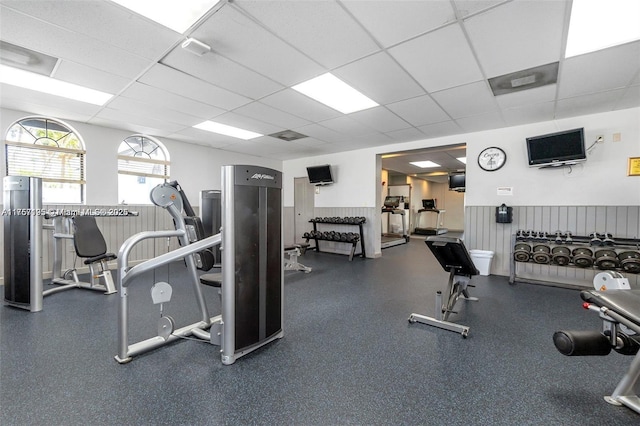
525	79
26	59
288	135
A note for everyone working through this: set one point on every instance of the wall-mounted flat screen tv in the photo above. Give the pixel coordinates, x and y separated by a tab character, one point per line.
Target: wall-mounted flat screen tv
320	175
457	182
557	149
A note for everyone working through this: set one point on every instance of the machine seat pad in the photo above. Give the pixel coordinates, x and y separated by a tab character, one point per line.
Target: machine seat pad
301	246
106	256
624	302
213	279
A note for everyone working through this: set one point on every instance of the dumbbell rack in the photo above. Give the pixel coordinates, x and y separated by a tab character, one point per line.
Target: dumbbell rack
580	245
351	221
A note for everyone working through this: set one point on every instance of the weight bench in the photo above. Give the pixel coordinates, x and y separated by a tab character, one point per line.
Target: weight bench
291	254
455	259
620	314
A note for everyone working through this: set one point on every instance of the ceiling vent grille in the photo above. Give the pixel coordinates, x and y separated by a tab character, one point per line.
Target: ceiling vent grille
288	135
525	79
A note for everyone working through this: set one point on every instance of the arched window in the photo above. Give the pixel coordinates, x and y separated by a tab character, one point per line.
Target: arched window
49	149
143	163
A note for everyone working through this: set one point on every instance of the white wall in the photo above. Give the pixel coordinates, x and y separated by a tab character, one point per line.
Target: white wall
196	167
601	180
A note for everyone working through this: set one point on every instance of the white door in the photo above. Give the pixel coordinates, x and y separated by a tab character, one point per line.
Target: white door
303	207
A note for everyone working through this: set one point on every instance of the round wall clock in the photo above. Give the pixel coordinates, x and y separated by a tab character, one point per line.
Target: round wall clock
491	159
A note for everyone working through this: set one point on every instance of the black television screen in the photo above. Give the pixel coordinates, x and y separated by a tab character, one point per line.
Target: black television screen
556	149
320	175
457	182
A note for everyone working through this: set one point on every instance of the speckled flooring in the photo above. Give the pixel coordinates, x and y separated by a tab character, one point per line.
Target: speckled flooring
348	357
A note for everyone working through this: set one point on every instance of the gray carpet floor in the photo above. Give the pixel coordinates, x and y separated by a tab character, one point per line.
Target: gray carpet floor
348	356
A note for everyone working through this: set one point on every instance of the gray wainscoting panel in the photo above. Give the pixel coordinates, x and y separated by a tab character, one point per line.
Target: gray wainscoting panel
483	233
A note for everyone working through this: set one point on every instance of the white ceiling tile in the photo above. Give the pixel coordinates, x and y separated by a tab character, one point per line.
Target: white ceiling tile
117	26
470	99
406	135
439	60
83	75
222	72
137	122
588	104
171	102
320	132
347	126
247	123
310	142
630	99
517	35
300	23
469	7
295	103
195	136
154	111
380	119
598	71
419	111
527	97
185	85
382	18
445	128
389	83
28	32
236	37
263	112
529	113
12	97
477	123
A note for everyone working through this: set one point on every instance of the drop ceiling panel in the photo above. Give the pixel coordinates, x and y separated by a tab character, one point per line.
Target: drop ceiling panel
135	121
471	99
247	123
598	71
263	112
469	7
158	98
588	104
630	99
439	60
380	119
222	72
236	37
478	123
168	119
182	84
382	18
300	23
37	35
419	111
347	126
389	83
117	26
194	135
527	97
529	113
437	130
321	133
295	103
54	106
518	35
89	77
406	135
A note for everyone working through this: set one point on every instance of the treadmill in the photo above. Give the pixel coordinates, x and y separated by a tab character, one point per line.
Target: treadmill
392	206
429	207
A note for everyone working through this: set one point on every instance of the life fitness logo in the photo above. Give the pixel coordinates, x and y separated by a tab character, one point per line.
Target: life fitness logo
261	176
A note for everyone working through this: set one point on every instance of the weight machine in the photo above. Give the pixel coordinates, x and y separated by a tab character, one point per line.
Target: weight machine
455	259
252	275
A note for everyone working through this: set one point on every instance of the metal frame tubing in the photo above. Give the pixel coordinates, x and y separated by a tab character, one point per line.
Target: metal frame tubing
126	276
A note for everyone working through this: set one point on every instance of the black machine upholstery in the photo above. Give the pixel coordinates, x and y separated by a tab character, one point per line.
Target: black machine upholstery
89	241
626	303
452	254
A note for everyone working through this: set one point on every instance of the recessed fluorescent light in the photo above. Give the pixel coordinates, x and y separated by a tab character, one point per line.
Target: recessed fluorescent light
333	92
596	25
178	15
223	129
424	164
462	159
44	84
